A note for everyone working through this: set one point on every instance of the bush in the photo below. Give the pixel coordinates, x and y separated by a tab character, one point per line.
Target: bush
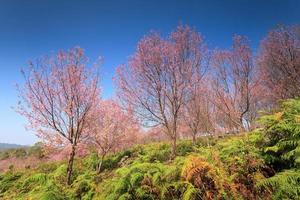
50	191
157	152
91	161
47	167
36	150
82	188
282	132
20	153
179	190
284	185
33	181
202	176
184	147
4	155
282	135
7	181
112	161
141	181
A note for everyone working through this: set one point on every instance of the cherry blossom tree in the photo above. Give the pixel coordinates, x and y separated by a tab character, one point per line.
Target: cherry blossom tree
198	111
279	63
57	99
234	84
111	129
157	80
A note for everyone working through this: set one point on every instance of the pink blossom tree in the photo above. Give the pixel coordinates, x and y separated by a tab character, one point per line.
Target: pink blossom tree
279	63
159	75
57	99
234	84
112	129
198	111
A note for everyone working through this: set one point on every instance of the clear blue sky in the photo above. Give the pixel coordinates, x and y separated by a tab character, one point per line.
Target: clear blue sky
111	28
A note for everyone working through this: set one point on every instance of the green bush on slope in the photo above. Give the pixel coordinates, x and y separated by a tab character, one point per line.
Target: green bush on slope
282	133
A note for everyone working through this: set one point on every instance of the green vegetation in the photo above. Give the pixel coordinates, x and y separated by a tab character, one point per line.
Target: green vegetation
262	164
35	150
282	151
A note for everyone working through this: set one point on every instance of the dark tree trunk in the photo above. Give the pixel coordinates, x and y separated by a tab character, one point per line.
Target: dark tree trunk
70	166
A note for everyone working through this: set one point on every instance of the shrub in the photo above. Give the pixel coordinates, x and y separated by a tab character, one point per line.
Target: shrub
282	136
33	181
20	153
7	181
49	191
91	161
284	185
157	152
112	161
141	181
36	150
47	167
59	174
184	147
201	175
282	131
4	155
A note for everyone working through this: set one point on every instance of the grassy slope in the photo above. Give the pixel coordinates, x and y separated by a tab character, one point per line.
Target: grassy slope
249	166
233	164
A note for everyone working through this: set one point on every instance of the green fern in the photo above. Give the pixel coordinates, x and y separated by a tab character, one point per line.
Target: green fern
191	193
282	130
284	185
34	180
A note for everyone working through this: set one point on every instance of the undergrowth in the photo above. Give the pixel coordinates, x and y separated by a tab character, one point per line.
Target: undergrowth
262	164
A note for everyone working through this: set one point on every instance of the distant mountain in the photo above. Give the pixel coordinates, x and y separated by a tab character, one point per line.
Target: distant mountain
4	146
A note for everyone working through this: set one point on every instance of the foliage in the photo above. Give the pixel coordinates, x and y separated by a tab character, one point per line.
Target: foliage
244	166
53	93
279	62
282	150
284	185
23	152
142	180
282	131
7	180
148	172
157	81
202	175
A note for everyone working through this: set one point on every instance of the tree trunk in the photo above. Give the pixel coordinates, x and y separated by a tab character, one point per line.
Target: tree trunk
242	124
194	139
208	138
174	134
70	165
100	164
174	147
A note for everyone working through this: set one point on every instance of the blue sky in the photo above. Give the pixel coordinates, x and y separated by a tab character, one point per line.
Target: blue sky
111	28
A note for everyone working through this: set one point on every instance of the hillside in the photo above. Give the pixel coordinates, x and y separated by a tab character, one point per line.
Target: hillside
147	172
231	167
4	146
262	164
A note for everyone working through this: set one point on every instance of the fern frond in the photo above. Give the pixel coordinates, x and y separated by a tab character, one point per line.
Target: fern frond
285	184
